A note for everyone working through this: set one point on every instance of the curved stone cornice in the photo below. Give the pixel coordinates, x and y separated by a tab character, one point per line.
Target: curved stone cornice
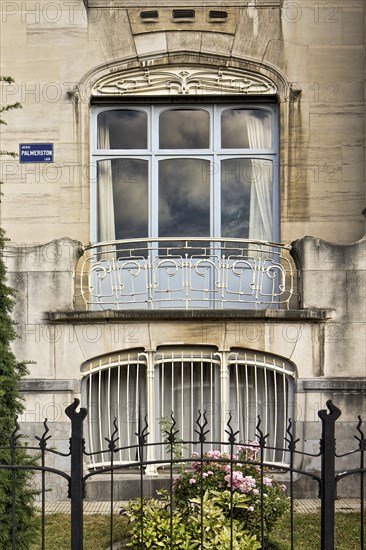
183	80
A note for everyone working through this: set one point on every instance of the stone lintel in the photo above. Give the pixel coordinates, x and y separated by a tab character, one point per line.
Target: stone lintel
49	386
333	384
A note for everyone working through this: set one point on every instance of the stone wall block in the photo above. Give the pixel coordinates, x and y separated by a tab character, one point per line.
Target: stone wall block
57	255
325	271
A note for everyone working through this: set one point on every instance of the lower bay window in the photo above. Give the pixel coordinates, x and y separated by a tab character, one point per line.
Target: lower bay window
139	387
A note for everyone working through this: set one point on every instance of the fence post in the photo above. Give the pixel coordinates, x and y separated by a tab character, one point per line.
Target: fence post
76	489
328	481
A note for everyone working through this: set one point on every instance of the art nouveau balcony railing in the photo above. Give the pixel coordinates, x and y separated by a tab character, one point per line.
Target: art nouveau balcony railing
189	273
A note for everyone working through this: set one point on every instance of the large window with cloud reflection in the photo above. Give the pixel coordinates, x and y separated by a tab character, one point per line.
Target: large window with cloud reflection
185	171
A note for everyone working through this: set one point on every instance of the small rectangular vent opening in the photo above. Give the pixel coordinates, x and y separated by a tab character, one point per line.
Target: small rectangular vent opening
150	14
217	14
183	14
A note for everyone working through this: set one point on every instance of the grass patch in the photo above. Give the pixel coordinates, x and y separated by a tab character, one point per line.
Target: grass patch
307	532
306	529
96	532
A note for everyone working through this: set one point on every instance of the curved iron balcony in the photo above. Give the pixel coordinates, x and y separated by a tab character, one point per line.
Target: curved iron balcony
187	273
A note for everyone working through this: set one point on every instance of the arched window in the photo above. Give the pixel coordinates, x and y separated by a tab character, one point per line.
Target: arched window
185	381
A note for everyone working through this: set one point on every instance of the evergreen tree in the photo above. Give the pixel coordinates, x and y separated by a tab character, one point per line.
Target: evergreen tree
11	371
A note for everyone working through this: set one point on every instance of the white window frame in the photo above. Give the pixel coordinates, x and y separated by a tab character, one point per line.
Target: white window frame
214	154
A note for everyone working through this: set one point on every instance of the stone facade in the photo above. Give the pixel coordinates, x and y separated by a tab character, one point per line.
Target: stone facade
312	55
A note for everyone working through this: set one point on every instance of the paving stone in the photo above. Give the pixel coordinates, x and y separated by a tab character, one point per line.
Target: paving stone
302	506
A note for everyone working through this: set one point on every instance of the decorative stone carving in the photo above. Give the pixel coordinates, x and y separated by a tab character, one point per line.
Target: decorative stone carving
295	91
184	81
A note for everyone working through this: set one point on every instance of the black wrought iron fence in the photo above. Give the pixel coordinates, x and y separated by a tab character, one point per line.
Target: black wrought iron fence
231	459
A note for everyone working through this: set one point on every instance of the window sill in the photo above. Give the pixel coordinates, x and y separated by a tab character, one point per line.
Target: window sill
187	315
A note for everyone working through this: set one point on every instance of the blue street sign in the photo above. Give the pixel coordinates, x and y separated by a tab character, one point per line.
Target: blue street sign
36	152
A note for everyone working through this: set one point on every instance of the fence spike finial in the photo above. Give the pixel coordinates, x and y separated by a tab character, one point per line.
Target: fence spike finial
260	435
201	431
230	432
43	439
171	433
361	439
142	436
290	439
113	440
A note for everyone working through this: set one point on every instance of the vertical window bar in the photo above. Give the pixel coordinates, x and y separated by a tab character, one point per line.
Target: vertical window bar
238	403
201	386
256	391
247	404
137	412
211	404
100	411
160	401
109	400
284	411
128	406
266	400
275	419
182	400
192	419
90	419
172	387
162	370
273	409
119	419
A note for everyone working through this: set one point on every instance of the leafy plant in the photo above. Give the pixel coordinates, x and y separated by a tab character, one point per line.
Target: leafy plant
218	499
6	108
237	483
174	447
204	525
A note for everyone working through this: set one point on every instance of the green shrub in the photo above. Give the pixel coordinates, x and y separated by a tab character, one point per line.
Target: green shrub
218	496
159	521
217	473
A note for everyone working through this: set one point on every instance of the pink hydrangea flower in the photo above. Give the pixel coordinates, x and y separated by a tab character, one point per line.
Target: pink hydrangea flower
240	483
213	454
192	481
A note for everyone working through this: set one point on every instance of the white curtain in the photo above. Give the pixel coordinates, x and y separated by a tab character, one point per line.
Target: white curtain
107	230
260	217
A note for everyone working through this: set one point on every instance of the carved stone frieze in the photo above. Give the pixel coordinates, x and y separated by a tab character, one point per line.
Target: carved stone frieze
184	81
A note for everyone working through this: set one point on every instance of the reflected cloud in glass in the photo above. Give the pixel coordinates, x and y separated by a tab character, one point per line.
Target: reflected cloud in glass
184	129
127	129
184	198
239	125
